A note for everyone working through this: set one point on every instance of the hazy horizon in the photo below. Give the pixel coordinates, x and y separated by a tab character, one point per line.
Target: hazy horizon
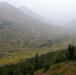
62	10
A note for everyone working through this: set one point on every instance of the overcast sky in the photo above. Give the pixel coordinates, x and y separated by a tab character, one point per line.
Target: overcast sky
53	9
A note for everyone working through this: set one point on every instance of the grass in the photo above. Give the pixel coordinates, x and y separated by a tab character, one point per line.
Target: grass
16	55
60	69
59	65
11	54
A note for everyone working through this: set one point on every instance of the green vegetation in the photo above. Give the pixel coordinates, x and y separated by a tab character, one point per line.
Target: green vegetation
22	36
44	61
18	42
71	52
36	62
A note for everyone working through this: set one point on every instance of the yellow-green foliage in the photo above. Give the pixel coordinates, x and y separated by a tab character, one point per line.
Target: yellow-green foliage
14	56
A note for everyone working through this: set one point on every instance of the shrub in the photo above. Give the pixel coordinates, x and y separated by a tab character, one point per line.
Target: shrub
59	57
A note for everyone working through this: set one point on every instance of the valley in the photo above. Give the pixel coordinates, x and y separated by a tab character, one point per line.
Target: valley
26	35
22	33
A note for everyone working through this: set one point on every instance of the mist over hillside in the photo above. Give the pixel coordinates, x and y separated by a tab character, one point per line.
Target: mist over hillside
35	15
23	30
37	37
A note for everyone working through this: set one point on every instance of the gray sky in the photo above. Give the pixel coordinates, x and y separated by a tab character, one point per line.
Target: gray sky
53	9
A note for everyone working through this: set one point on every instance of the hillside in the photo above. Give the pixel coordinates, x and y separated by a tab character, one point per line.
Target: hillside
21	35
33	14
71	26
68	32
18	29
31	44
60	69
61	62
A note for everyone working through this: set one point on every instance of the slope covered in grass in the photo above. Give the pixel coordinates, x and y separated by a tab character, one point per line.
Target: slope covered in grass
68	68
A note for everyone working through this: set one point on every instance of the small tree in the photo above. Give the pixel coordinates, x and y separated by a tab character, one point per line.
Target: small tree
36	62
59	57
70	52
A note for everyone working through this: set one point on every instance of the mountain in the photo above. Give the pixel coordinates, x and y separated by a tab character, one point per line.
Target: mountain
42	18
35	15
21	35
71	27
72	23
28	11
19	29
58	22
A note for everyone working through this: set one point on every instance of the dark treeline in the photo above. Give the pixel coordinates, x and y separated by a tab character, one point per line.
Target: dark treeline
45	61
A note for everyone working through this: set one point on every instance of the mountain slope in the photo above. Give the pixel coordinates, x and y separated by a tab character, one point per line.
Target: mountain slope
42	18
71	27
60	69
33	14
19	29
58	23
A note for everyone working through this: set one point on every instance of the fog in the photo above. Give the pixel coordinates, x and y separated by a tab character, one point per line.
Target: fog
63	10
